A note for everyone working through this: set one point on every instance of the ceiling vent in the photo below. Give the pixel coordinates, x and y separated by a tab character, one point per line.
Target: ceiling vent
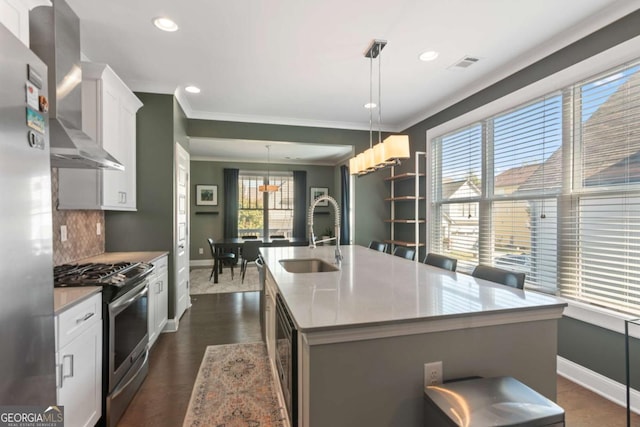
463	63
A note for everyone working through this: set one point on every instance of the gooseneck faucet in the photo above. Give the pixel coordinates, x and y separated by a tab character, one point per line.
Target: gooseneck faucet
336	210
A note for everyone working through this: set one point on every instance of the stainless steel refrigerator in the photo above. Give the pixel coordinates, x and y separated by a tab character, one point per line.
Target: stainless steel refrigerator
27	353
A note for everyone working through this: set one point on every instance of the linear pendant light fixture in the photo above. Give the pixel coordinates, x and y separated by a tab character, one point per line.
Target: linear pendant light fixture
268	188
395	147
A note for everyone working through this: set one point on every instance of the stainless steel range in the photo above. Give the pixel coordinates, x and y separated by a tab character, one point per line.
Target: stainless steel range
125	333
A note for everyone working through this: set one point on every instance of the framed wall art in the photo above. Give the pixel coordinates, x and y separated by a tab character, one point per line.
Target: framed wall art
206	195
320	191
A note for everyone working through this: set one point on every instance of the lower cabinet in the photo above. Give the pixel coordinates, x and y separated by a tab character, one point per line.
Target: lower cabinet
158	299
79	362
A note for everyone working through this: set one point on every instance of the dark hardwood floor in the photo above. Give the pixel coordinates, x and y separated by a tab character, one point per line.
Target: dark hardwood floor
175	358
232	318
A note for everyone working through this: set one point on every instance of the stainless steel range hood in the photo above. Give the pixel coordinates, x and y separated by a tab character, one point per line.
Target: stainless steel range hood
55	37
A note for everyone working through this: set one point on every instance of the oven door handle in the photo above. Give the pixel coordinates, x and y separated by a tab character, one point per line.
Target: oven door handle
116	305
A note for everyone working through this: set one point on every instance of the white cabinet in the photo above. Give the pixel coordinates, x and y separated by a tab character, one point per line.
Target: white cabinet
79	362
109	116
158	299
14	14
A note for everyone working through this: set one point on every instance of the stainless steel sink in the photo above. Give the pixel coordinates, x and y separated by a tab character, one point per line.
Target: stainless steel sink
307	265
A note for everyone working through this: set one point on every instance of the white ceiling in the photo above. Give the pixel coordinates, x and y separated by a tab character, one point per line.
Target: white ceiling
301	62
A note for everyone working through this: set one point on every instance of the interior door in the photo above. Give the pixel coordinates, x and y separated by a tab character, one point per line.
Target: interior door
182	231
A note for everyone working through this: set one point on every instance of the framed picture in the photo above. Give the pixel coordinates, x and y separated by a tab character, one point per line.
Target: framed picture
207	195
320	191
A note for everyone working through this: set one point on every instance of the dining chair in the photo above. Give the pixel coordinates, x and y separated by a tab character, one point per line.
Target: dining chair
250	252
498	275
403	252
441	261
219	258
378	246
249	237
277	236
280	242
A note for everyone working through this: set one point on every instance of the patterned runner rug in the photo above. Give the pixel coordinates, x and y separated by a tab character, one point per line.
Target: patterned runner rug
234	389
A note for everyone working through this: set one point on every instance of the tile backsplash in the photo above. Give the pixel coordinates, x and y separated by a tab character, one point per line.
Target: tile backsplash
82	238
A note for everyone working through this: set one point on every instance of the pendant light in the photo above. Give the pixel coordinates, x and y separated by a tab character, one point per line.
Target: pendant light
395	147
268	188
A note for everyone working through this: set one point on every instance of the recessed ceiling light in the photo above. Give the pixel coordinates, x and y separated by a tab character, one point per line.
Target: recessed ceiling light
370	105
429	55
192	89
165	24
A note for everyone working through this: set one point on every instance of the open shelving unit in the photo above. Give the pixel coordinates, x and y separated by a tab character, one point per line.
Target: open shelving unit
418	176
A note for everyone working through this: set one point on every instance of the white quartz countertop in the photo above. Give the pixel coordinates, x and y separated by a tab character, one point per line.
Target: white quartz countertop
377	288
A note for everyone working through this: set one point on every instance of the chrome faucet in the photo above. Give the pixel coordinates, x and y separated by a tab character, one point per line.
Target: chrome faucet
336	210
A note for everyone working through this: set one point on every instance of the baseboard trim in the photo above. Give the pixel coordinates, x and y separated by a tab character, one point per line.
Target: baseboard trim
171	326
201	263
598	383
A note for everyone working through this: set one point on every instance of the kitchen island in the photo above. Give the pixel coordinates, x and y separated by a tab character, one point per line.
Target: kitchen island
366	331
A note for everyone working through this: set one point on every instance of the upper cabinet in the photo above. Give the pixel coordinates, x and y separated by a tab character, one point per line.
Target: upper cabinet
14	14
109	116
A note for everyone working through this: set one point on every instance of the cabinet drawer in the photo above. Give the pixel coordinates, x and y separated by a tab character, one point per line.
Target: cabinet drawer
77	319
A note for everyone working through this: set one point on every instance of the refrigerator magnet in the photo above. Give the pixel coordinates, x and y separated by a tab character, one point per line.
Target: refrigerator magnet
32	95
44	103
35	120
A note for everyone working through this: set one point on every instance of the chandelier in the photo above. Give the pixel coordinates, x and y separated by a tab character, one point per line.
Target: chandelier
395	147
268	188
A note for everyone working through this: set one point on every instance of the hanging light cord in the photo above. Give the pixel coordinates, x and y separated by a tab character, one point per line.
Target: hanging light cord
371	101
379	93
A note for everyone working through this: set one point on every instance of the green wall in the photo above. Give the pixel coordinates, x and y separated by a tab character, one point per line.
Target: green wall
159	122
592	347
204	224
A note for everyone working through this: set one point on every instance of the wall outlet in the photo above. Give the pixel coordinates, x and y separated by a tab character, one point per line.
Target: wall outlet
98	228
63	233
432	373
200	251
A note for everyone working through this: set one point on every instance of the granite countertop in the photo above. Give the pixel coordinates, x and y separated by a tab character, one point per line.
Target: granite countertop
64	298
113	257
377	288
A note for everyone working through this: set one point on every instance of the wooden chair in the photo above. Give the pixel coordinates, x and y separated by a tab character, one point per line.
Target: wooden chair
378	246
441	261
219	258
498	275
404	252
250	252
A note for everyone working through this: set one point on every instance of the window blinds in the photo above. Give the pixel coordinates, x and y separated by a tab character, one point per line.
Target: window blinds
457	162
601	263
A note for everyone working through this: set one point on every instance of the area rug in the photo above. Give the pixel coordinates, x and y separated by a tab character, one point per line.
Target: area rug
200	283
234	388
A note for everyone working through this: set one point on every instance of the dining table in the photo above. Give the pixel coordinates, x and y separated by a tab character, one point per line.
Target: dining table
234	244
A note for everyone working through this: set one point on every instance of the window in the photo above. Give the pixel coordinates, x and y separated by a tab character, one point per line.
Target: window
265	214
604	210
457	193
556	191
